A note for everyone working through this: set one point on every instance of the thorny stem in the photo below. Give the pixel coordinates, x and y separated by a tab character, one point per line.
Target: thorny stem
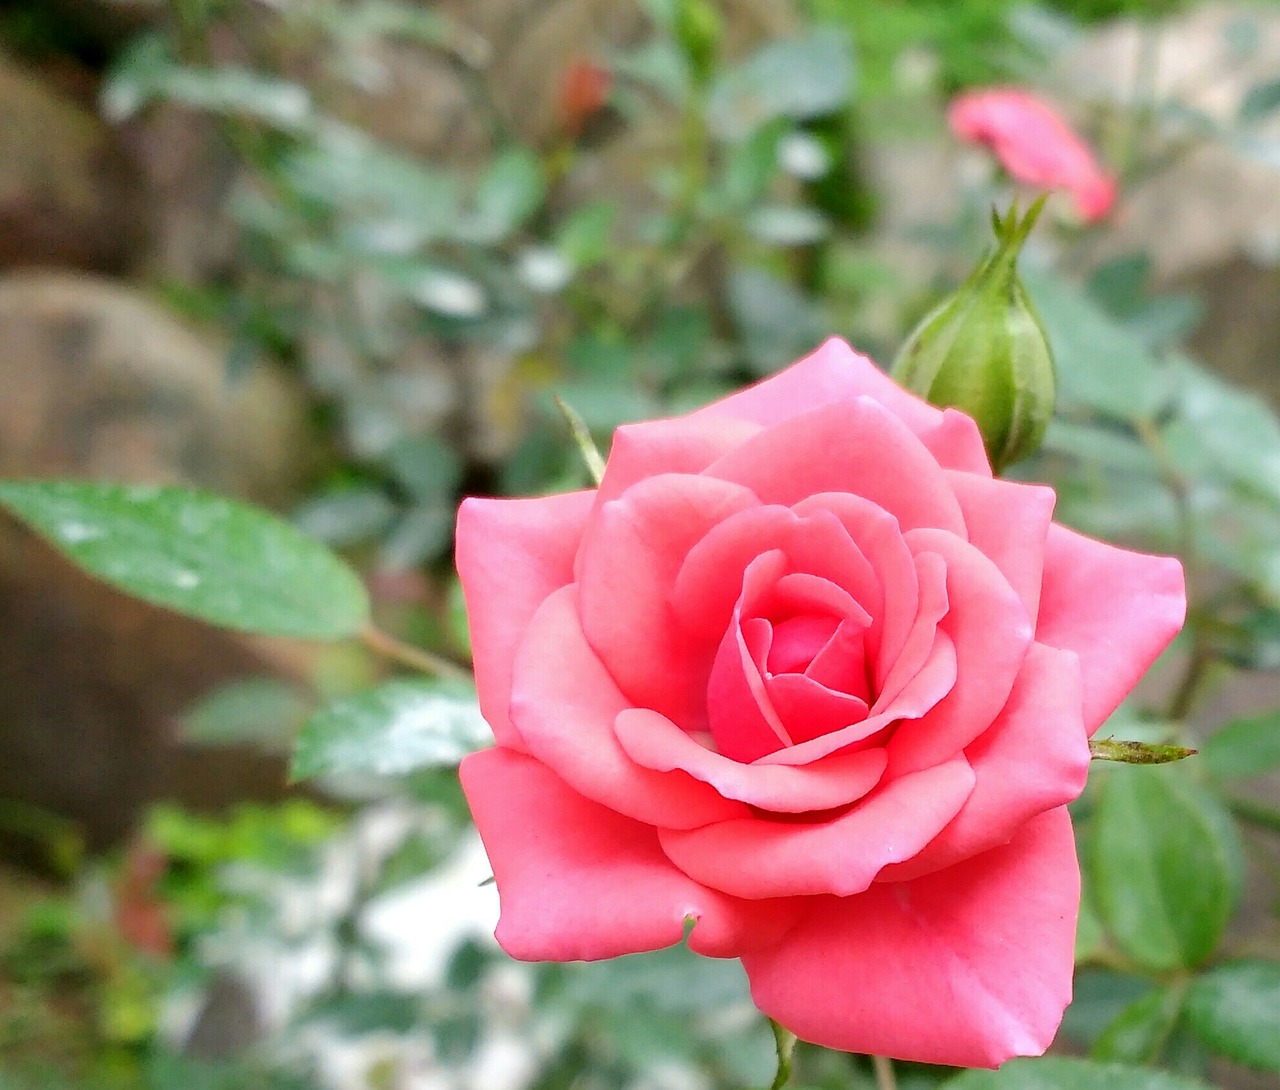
414	657
785	1041
885	1078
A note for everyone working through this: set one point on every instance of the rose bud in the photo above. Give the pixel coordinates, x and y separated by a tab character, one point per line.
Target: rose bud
983	350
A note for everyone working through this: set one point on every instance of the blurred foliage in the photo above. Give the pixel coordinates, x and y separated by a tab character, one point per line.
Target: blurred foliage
431	302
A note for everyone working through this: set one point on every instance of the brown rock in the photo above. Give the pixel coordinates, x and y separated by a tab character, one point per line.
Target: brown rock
67	194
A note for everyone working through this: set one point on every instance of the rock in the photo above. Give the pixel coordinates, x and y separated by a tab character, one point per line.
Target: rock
68	195
101	382
1211	219
1214	204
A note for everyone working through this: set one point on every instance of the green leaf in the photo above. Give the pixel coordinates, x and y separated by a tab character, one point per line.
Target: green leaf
777	323
1101	365
1165	865
1235	1010
802	78
751	164
262	711
1261	100
509	192
1244	747
1142	1029
1057	1073
1100	997
391	730
1221	430
584	237
201	555
1090	938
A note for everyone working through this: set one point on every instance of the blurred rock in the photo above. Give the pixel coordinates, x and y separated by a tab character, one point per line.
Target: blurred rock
101	382
1211	219
188	173
68	196
1217	202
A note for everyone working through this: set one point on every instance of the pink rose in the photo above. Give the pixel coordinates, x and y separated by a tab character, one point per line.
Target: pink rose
1034	145
803	672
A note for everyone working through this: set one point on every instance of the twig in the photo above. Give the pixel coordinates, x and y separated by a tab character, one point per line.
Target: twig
414	657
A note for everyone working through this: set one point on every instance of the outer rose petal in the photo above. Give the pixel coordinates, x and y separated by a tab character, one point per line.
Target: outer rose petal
969	966
581	882
511	555
1033	758
1116	609
1008	522
833	373
854	447
682	445
564	703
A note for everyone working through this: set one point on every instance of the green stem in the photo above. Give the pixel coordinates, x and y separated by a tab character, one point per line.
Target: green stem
415	658
1255	813
785	1041
885	1078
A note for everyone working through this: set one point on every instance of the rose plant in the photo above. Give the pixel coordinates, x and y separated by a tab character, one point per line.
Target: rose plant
803	673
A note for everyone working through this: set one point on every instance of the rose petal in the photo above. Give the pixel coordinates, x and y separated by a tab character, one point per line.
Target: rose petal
654	741
895	674
511	555
739	712
1116	609
1009	523
808	709
653	447
564	703
878	537
842	664
1033	758
710	580
754	857
855	447
578	881
991	631
957	443
798	640
923	692
834	372
968	967
629	560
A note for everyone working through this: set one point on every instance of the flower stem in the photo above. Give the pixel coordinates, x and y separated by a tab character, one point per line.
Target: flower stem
785	1041
885	1078
414	657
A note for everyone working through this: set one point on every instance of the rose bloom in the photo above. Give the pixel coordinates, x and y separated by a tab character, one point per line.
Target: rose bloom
1034	145
802	672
